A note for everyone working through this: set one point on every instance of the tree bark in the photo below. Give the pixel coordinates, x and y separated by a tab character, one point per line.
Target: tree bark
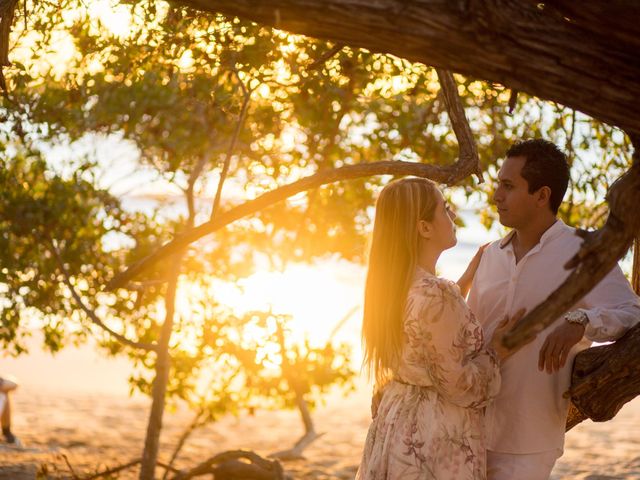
163	364
604	379
581	54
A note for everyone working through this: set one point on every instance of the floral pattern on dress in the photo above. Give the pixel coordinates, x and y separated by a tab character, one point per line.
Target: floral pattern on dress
429	423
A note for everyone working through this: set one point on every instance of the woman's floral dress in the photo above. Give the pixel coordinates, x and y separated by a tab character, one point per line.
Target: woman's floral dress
429	424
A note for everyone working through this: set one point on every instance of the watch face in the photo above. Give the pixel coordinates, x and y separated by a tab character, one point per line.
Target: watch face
577	317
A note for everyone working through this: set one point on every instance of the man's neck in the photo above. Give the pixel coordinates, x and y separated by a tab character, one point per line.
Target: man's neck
528	237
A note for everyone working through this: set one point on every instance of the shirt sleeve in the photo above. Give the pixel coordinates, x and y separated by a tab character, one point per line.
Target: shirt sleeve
612	308
462	370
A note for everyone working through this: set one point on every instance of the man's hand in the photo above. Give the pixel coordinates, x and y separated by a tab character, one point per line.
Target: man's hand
501	330
556	348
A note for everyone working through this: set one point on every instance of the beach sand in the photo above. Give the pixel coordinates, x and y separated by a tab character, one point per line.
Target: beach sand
98	431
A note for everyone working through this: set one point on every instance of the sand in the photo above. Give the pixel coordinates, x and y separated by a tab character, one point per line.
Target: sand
94	431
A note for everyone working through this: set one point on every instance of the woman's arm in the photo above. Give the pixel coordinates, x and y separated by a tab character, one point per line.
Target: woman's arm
464	282
451	341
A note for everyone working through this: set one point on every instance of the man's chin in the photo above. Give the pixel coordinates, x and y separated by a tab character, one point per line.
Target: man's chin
504	220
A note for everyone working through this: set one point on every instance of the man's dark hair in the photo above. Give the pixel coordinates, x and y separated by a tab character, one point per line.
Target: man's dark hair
545	166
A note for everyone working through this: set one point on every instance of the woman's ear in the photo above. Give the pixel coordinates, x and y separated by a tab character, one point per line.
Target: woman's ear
425	229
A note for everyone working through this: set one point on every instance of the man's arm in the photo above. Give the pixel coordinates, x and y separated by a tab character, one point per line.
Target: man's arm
611	309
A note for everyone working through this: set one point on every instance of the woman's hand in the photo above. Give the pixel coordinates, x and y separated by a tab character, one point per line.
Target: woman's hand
467	277
504	326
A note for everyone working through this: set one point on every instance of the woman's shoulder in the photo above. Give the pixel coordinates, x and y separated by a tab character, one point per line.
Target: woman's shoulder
431	295
427	285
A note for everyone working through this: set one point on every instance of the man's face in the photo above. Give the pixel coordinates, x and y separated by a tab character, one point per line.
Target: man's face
516	206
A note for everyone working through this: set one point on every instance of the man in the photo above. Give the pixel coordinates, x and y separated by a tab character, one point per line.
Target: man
7	386
526	422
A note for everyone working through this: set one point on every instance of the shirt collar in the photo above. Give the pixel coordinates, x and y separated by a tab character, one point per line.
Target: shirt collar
553	231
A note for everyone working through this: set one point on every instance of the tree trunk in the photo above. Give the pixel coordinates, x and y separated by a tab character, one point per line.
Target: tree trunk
604	379
581	54
163	364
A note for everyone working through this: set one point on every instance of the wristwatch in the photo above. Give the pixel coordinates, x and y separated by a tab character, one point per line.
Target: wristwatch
577	316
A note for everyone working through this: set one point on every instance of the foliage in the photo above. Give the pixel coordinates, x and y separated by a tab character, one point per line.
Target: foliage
42	214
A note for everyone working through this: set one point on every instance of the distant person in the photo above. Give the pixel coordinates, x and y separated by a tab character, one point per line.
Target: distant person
6	387
526	422
423	343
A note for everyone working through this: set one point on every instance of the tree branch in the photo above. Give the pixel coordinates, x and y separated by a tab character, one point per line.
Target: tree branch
604	379
149	347
193	177
459	122
232	144
564	51
195	423
110	471
317	64
598	254
450	174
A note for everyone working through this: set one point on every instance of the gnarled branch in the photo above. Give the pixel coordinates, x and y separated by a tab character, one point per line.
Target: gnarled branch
459	122
604	379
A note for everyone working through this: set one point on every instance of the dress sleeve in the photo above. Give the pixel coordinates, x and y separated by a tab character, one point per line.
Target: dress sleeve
462	370
612	308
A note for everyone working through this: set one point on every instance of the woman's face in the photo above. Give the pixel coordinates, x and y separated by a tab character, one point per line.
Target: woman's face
442	227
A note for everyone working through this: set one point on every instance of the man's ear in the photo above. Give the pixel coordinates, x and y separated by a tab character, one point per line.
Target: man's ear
544	196
425	229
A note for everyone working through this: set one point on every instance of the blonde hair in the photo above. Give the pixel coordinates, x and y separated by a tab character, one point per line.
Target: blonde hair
392	261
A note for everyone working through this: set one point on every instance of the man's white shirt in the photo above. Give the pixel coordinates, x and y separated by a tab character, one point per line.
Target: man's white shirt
529	414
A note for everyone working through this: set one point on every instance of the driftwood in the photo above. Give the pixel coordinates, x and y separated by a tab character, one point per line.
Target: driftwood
236	465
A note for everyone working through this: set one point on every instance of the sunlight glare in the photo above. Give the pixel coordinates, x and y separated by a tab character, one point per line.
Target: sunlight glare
116	18
316	298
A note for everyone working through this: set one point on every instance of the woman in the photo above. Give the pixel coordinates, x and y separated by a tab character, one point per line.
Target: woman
424	345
